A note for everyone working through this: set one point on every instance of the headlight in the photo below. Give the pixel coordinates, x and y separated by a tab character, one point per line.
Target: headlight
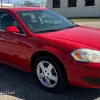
86	55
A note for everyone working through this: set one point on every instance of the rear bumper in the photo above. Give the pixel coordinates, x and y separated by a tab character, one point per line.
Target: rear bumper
84	74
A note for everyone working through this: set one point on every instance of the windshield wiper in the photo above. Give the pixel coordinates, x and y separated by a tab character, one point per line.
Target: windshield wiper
53	30
71	27
44	31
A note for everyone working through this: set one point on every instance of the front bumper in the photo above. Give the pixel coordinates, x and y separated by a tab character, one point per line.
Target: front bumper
94	81
84	74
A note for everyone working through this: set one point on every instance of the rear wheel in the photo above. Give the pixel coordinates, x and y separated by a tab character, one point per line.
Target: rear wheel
49	74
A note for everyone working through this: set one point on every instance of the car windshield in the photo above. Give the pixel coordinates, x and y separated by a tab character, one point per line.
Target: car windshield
41	21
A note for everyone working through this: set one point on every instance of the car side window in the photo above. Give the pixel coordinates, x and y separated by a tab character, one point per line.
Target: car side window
8	20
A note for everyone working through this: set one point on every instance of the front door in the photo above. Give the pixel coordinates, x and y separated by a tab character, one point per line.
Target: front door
14	47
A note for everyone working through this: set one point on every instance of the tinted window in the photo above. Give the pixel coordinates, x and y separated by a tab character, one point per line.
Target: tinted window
72	3
89	2
56	3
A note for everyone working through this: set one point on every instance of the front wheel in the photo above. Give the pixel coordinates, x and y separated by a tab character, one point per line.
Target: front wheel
49	74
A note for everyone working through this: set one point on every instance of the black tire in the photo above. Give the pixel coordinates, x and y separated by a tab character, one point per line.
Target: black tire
62	80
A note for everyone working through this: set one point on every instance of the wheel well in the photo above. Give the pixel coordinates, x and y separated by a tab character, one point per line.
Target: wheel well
44	53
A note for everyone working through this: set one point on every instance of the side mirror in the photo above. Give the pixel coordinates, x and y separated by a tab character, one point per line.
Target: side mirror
12	29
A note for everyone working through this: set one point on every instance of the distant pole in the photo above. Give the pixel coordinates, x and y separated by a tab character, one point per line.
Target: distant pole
1	4
8	1
21	2
14	4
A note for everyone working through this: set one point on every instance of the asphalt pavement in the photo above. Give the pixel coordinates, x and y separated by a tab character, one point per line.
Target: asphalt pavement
25	87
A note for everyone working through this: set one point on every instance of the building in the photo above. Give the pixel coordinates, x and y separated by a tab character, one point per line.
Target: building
75	8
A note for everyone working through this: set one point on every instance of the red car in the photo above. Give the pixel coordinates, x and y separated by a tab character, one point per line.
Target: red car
43	42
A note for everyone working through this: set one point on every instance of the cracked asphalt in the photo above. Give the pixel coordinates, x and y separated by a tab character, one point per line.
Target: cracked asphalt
26	87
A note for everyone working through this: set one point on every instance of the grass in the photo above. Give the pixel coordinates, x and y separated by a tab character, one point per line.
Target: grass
85	19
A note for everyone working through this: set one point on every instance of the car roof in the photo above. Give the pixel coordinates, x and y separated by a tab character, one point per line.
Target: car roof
16	9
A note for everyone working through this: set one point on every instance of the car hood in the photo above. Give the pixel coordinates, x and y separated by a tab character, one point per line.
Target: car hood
81	34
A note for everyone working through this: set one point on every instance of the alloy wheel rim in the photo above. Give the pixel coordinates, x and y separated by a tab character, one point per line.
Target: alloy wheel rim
47	74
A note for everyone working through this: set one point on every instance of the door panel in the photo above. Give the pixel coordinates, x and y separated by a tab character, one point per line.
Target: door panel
15	49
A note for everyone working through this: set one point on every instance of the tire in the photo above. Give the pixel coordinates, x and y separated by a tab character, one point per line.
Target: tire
51	78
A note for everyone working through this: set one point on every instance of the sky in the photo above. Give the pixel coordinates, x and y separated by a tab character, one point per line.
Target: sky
27	0
23	0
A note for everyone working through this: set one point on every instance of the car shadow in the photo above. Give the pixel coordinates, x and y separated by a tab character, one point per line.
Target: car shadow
26	87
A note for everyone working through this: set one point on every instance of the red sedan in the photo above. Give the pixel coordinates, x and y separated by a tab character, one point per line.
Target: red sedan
56	50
